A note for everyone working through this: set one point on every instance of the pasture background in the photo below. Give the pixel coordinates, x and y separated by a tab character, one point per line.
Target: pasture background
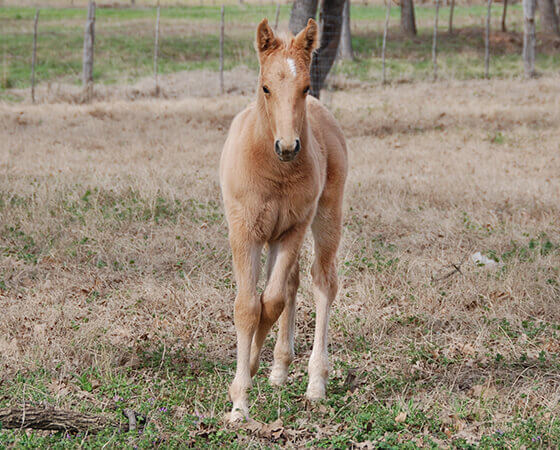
189	41
116	287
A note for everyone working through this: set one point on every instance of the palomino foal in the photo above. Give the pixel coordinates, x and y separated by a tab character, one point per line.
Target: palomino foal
283	169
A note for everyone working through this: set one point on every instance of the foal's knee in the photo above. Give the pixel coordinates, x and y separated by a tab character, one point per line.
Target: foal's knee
325	277
246	311
273	304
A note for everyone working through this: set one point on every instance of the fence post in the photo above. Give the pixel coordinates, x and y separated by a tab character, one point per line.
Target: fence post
34	56
277	16
529	38
156	51
387	15
434	43
89	39
451	16
222	26
4	67
487	42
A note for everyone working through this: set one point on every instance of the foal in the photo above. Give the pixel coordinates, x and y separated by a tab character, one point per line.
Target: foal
283	169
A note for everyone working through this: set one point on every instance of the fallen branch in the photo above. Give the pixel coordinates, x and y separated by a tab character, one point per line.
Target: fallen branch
456	269
48	418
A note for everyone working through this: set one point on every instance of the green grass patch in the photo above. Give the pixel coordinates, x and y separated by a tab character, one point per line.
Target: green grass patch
183	396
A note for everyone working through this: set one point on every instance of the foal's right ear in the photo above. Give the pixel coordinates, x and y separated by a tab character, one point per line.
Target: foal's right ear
266	41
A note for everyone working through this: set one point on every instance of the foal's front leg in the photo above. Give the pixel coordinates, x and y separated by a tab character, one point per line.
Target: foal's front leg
247	311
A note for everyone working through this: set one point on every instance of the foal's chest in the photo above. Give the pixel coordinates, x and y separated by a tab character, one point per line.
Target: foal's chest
271	213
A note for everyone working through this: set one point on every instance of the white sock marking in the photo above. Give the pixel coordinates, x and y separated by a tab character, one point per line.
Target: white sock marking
292	66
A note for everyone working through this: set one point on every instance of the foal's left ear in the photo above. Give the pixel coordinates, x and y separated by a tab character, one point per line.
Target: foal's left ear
266	40
306	40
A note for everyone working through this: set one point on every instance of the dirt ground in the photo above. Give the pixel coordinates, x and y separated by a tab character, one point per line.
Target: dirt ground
113	243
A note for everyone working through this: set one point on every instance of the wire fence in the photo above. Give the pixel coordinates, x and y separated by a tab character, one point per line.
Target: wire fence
134	43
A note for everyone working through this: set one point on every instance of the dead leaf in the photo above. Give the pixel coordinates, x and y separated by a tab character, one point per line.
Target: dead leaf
366	445
480	391
468	350
401	417
273	431
351	382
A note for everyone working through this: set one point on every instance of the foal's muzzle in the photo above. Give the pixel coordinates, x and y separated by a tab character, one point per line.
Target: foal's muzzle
285	152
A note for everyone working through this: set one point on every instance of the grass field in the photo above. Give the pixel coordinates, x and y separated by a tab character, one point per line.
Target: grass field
190	41
116	284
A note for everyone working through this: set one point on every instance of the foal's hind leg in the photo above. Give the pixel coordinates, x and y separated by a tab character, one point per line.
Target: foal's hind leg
275	295
326	232
284	348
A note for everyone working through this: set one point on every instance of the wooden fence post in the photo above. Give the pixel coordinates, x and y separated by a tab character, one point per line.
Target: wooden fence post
487	41
385	29
277	16
222	26
4	67
34	56
451	16
156	52
87	63
434	43
529	37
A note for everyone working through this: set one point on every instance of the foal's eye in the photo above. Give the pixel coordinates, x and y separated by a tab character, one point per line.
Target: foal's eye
306	90
266	90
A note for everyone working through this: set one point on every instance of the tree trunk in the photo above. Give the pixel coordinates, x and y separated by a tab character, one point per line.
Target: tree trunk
330	26
302	11
345	47
408	21
529	37
549	19
504	15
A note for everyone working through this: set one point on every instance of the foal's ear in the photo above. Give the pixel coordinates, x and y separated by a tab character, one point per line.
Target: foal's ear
306	40
266	41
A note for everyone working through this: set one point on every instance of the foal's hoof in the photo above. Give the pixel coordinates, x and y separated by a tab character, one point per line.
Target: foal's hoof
278	376
315	392
237	416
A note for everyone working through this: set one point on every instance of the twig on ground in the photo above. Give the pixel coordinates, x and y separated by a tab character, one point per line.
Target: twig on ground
456	269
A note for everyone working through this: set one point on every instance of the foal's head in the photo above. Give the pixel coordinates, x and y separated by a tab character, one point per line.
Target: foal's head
284	84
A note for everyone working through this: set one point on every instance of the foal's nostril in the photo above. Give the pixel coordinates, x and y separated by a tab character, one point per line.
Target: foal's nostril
277	147
297	147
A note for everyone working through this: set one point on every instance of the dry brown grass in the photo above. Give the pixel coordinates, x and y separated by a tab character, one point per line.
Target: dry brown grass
113	240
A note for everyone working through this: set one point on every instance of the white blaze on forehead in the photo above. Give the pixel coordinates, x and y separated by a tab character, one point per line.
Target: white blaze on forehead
292	66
